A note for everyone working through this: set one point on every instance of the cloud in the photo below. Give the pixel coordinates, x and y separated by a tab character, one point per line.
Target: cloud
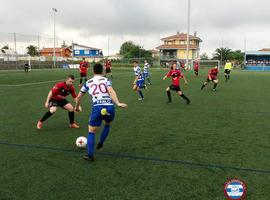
93	22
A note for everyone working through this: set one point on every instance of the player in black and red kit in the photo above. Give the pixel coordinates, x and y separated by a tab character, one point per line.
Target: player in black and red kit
57	98
108	68
196	67
83	71
212	76
175	75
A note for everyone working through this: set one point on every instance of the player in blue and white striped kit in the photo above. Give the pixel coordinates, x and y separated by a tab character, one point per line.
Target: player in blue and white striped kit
138	83
146	73
104	97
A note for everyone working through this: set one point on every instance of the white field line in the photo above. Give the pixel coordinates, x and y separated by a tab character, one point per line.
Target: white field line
26	84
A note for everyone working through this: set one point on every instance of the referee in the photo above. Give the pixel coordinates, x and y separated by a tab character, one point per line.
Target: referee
227	70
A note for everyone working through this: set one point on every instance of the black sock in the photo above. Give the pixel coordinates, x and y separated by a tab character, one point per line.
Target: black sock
184	97
203	86
46	116
85	79
169	95
228	77
80	80
215	85
71	117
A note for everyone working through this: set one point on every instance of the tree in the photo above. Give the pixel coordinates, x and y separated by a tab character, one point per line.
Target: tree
204	56
32	50
237	56
130	50
222	54
5	47
64	44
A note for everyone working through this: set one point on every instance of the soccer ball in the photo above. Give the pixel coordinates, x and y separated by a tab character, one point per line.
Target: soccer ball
81	142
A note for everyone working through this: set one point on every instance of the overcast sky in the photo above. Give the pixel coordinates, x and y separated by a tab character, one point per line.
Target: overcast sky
106	24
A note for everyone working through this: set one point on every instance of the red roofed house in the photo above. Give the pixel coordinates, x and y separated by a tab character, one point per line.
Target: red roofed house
59	52
174	47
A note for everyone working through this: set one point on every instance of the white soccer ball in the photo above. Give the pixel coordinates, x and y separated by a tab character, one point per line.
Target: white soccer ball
81	142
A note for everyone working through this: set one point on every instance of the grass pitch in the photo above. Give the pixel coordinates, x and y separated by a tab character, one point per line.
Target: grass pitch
154	150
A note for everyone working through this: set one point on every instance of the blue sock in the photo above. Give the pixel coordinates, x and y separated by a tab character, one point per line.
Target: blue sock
140	93
90	144
104	134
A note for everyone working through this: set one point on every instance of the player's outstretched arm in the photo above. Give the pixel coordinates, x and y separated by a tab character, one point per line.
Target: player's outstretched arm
114	97
48	99
164	77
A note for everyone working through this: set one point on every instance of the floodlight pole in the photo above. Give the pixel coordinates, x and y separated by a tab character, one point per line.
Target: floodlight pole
188	30
54	12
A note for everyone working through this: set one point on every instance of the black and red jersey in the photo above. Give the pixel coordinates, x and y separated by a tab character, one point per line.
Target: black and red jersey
61	91
213	73
175	75
83	67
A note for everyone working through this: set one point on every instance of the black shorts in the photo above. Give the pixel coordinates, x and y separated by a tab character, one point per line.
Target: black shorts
175	88
83	74
227	71
108	70
208	80
58	103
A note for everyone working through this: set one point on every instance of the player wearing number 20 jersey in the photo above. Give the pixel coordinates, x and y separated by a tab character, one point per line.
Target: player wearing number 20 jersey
103	97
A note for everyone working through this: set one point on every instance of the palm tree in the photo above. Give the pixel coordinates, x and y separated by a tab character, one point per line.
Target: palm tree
222	54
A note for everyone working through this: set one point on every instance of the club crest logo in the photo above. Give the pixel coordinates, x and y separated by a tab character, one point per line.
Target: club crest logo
235	189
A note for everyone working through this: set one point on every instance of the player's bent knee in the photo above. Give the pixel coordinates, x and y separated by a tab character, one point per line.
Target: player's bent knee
69	107
92	129
53	109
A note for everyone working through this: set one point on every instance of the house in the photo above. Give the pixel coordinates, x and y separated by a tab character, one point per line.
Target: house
174	47
8	55
59	52
86	51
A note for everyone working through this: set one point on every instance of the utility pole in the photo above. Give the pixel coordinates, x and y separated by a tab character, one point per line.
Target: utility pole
188	31
54	12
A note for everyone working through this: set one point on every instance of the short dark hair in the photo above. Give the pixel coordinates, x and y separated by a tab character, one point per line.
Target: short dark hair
135	61
71	77
98	68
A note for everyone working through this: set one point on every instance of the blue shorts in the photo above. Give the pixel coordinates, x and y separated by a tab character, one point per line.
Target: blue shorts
95	119
140	83
145	75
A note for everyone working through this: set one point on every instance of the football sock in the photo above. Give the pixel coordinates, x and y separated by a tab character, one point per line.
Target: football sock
71	117
90	143
215	85
140	93
46	116
85	79
148	79
104	134
203	86
80	80
169	95
228	77
184	97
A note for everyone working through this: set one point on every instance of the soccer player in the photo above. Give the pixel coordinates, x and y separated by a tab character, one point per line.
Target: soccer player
26	67
103	97
212	76
108	68
227	70
138	83
83	71
146	73
57	98
196	67
175	75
